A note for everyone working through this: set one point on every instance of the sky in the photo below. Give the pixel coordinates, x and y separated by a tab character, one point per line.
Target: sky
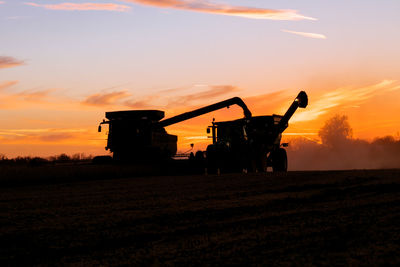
64	63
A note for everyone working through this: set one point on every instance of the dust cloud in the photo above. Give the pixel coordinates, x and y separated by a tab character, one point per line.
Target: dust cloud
338	150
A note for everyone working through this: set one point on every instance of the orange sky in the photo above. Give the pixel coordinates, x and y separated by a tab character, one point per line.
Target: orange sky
45	125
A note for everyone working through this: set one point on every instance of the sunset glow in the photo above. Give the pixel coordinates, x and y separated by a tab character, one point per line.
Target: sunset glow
82	6
63	64
224	9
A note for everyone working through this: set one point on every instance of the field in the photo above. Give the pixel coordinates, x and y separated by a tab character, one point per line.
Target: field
302	218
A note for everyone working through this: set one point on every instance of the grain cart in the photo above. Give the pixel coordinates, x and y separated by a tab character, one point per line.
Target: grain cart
251	143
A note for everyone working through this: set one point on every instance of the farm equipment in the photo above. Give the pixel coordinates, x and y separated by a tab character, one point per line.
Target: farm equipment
250	143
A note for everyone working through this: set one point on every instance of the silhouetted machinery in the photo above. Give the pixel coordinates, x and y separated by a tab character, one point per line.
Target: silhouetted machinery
250	143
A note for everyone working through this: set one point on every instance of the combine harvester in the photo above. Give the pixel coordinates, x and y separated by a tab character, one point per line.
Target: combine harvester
247	144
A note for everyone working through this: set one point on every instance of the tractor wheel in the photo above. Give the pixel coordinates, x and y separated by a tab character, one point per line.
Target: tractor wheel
279	160
212	159
199	156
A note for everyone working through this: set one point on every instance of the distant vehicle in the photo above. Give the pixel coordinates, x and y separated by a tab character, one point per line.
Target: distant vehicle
249	144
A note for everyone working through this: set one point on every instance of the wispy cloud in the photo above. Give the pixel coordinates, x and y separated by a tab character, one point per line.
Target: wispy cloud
9	62
269	102
141	103
2	2
224	9
171	98
39	99
344	97
7	84
33	96
16	17
307	34
82	6
104	99
41	135
211	92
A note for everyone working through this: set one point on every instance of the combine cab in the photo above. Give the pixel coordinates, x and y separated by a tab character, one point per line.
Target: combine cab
248	144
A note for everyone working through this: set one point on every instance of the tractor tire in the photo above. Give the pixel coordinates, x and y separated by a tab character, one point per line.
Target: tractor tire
212	159
279	160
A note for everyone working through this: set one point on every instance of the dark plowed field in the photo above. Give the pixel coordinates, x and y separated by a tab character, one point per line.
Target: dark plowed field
335	218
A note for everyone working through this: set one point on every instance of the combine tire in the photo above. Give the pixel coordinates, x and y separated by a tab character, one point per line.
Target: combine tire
279	160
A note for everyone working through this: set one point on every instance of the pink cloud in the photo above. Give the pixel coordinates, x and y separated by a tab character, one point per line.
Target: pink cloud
9	62
224	9
103	99
7	84
34	96
82	6
213	91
